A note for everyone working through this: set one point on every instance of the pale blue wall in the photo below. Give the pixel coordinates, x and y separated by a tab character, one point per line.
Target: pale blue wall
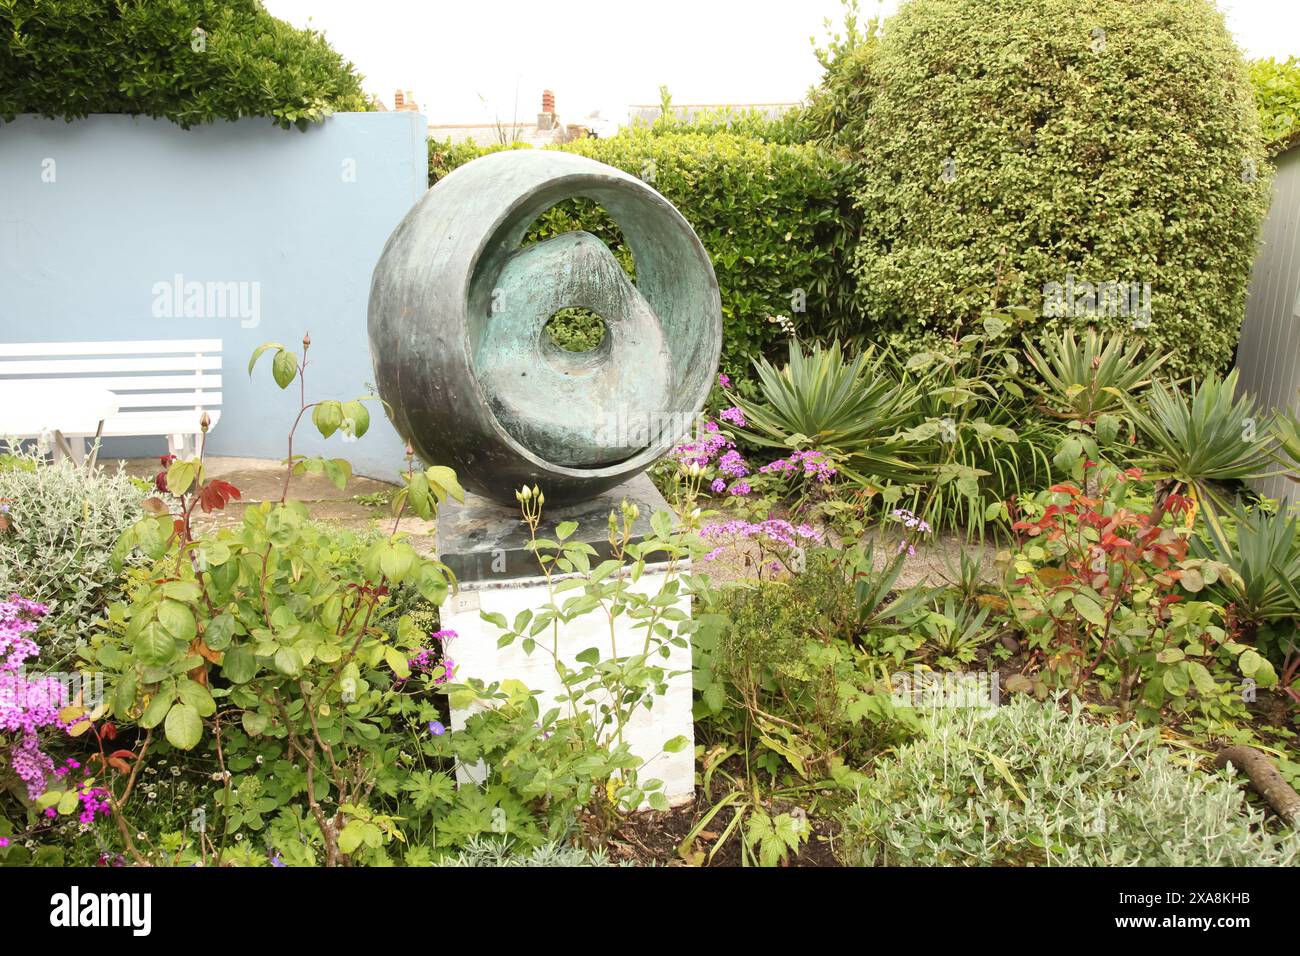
136	201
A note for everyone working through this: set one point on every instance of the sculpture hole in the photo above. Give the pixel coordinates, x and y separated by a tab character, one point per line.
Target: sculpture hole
584	215
576	329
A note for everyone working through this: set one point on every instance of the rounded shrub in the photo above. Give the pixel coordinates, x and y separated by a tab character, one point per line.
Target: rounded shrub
1029	784
190	61
1012	146
56	544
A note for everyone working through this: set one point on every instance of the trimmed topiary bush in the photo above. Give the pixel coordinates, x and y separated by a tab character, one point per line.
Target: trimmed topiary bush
1010	145
1028	784
191	61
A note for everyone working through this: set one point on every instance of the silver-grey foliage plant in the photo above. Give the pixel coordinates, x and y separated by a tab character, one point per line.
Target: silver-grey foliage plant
1034	784
63	523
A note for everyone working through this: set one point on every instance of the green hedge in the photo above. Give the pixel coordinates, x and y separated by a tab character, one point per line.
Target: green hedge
774	218
1277	94
1109	140
70	58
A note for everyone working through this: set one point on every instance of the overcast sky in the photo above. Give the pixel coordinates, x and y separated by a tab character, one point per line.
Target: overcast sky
481	61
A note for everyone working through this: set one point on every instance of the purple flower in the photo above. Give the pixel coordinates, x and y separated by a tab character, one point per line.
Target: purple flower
718	486
741	488
733	415
810	462
277	861
724	381
437	728
733	465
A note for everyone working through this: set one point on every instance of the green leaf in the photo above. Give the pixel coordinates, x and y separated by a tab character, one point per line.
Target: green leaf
327	416
219	631
284	367
155	646
254	724
259	351
178	619
197	696
397	661
677	744
444	482
1088	609
183	727
288	662
239	665
1176	680
360	416
157	708
1202	678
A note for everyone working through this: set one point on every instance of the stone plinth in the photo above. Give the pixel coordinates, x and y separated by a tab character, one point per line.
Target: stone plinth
485	544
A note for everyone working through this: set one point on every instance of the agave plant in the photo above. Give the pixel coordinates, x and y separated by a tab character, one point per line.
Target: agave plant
881	605
955	630
1209	435
850	408
1083	380
1266	559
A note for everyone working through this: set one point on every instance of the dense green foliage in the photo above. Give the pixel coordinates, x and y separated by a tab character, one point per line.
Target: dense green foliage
1277	94
1013	145
772	217
191	61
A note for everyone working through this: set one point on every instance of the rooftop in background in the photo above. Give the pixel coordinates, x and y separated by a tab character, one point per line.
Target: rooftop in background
546	130
402	103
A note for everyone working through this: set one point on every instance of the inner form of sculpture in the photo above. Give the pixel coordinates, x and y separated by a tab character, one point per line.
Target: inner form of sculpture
458	313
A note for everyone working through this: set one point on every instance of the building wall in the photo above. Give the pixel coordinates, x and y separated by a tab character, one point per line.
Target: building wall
98	218
1269	353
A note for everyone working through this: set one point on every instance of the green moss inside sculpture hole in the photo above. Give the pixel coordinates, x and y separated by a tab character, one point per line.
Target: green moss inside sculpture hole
576	329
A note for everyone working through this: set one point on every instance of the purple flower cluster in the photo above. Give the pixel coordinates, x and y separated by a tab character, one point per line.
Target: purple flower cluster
912	523
713	444
773	530
909	520
809	462
26	706
93	803
733	415
429	658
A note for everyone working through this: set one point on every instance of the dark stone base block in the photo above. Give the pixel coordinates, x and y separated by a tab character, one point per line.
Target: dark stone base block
484	542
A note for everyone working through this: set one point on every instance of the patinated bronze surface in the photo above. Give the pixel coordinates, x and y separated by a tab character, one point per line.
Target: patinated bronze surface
458	310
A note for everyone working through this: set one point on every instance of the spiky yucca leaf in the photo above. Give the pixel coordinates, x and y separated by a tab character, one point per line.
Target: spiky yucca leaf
1087	378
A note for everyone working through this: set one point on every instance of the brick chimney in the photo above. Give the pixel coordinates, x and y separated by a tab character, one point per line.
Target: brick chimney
546	118
398	101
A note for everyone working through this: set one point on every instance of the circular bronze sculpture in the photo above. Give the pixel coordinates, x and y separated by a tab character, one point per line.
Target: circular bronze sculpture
458	313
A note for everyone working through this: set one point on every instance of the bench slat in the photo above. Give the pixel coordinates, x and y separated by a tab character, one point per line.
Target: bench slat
73	366
208	381
168	399
149	347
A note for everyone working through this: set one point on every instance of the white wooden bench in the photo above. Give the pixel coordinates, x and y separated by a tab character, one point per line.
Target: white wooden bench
161	388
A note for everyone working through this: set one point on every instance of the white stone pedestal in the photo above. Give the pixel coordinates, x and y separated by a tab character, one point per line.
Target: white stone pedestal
493	578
